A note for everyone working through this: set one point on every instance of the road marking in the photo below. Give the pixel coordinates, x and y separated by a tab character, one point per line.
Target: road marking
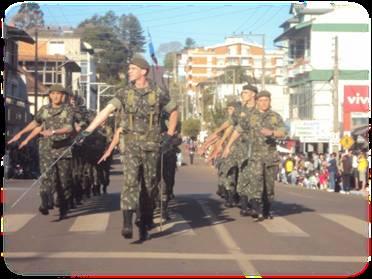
14	222
283	227
354	224
178	225
93	222
15	189
190	256
234	250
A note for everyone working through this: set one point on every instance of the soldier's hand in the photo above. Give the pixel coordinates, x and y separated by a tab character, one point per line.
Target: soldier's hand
226	152
79	139
23	144
14	139
46	133
266	132
104	157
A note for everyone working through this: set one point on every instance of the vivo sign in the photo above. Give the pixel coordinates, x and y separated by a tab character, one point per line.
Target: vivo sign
356	98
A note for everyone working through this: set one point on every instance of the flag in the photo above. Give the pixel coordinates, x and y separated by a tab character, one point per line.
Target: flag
152	51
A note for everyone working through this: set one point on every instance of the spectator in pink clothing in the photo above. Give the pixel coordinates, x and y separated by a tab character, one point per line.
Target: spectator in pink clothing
323	179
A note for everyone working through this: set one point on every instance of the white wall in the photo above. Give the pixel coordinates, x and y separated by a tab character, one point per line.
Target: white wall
354	50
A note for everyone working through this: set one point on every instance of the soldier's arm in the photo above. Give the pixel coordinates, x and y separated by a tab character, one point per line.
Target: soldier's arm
235	135
114	142
173	118
224	126
101	116
278	131
32	125
33	134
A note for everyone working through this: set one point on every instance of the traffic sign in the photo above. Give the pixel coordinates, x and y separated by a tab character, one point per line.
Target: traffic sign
346	142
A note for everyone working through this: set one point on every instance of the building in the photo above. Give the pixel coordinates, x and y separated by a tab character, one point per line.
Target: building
17	106
328	67
208	62
64	44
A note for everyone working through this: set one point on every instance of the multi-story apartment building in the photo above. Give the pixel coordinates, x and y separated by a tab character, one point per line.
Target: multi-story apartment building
201	64
328	62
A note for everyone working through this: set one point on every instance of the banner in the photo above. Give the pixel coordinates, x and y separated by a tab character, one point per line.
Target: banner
356	98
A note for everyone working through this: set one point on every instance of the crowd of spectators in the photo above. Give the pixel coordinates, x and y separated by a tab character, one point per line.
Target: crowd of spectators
333	172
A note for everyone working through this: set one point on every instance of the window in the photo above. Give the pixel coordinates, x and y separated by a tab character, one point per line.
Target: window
48	78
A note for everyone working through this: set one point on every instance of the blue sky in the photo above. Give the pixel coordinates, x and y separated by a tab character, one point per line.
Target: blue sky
208	23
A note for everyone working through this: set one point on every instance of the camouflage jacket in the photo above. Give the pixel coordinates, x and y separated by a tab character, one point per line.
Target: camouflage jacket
264	148
56	118
140	111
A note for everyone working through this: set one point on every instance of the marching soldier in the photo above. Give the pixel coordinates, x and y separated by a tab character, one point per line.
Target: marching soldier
142	103
264	126
56	121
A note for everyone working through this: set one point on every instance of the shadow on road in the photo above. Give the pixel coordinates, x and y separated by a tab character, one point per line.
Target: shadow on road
189	206
285	209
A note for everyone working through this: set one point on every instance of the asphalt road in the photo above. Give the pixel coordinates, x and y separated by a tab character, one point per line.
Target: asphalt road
312	233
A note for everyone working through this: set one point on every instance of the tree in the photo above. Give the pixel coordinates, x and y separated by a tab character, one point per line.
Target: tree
131	34
169	61
191	127
189	43
28	17
112	56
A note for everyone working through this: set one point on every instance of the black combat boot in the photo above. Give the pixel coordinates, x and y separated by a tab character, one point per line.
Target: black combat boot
165	215
50	201
71	203
143	233
229	199
267	210
258	208
244	211
127	230
44	203
63	208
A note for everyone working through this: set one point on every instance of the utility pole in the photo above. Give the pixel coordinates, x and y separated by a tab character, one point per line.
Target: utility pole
234	79
335	92
36	71
88	80
263	58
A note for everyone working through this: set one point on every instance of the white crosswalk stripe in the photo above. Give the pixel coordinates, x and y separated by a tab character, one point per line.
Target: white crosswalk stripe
91	223
14	222
354	224
283	227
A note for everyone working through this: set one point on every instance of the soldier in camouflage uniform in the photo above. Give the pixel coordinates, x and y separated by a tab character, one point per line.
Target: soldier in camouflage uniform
56	121
142	103
241	145
264	126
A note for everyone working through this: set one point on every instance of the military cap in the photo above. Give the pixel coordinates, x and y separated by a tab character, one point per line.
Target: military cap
140	62
58	88
250	87
263	93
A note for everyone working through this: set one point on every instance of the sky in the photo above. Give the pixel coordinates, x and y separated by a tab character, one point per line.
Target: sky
208	23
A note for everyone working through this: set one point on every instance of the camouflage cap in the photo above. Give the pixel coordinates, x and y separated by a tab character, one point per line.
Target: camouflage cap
58	88
140	62
263	93
250	87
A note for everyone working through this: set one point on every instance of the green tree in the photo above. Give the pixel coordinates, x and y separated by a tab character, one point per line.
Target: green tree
191	127
189	43
131	33
169	61
29	16
112	54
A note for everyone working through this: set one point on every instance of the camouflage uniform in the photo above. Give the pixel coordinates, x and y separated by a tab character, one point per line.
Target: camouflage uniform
60	174
263	163
141	131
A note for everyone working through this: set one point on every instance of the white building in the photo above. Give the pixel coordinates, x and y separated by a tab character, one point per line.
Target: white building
313	35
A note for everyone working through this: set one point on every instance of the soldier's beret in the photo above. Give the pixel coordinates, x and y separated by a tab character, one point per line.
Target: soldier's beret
140	62
58	88
250	87
263	93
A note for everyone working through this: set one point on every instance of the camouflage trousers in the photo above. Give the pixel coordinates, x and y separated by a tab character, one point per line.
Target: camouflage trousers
58	179
46	185
257	181
135	160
